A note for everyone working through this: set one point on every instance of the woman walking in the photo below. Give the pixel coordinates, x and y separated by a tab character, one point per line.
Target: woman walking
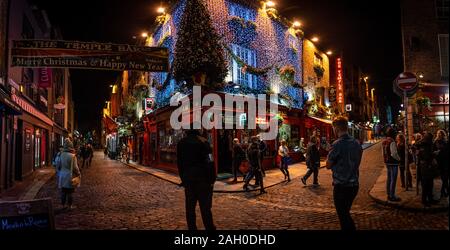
441	152
283	152
312	161
69	175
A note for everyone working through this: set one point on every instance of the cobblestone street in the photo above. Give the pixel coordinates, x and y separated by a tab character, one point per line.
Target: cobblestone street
114	196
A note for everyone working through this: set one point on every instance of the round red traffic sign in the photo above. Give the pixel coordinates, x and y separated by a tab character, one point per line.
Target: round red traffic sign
406	81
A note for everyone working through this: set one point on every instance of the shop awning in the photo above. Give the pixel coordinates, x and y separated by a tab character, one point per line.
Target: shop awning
9	105
110	124
321	120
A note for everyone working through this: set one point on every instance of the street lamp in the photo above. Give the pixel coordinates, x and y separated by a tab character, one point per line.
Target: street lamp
270	4
296	24
315	39
144	34
329	52
161	10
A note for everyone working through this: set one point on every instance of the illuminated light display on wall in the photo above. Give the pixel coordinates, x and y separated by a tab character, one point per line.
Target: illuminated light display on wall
273	44
340	82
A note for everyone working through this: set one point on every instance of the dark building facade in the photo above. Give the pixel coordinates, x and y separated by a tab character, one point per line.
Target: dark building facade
425	53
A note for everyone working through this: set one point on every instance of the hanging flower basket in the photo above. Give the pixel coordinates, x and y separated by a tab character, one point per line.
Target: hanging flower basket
287	74
319	70
279	118
423	102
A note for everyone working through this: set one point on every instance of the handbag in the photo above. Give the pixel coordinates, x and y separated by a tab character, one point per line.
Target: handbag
76	180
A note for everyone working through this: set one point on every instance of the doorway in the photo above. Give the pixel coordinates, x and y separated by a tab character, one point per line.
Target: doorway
224	142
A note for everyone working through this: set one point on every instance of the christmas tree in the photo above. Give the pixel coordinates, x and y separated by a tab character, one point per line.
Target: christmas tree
199	56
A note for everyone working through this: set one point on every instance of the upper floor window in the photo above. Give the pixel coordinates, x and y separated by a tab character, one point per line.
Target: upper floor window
240	75
442	7
164	32
443	54
242	12
293	42
318	59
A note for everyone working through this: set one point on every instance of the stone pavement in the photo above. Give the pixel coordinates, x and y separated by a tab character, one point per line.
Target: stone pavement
28	189
114	196
273	177
410	200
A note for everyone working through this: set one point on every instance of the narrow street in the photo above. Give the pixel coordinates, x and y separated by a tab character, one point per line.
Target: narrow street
115	196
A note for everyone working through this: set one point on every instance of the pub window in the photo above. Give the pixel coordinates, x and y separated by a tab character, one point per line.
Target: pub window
442	7
318	59
242	12
239	75
443	54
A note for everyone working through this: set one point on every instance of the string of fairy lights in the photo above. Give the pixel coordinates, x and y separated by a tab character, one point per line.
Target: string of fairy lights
276	41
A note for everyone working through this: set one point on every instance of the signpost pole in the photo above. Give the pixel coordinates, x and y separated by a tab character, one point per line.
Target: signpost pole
405	103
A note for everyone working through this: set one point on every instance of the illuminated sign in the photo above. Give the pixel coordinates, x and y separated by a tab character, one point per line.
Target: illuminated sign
340	82
149	105
261	120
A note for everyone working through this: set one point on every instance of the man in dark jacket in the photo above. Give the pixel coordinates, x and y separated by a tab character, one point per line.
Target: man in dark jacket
343	160
262	151
197	175
312	161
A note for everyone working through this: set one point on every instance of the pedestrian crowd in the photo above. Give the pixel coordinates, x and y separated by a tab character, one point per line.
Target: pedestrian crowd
427	152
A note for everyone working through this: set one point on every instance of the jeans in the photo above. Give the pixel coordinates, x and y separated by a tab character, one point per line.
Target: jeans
445	180
66	195
314	171
284	167
343	197
391	182
201	192
427	190
236	164
405	176
257	173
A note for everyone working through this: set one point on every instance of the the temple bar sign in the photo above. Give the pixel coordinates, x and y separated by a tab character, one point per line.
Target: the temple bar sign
88	55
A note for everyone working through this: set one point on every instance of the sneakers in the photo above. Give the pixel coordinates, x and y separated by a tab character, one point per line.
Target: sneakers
245	187
303	181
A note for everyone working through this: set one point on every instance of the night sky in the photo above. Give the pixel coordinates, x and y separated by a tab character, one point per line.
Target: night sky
367	32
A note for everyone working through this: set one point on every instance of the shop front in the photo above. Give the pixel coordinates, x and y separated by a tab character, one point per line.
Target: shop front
32	134
9	111
323	129
163	139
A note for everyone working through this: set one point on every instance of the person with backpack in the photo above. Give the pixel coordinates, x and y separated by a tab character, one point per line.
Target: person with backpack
392	161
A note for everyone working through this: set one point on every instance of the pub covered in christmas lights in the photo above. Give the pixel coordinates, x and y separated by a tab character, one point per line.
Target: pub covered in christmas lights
233	47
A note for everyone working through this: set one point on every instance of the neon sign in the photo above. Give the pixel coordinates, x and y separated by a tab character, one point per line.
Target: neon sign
340	81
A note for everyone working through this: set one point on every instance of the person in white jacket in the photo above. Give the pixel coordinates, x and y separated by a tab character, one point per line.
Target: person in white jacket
67	168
